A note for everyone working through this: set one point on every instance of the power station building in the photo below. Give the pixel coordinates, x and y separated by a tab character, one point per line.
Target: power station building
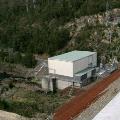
74	67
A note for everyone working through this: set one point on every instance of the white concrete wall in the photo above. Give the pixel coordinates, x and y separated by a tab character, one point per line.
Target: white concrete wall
63	84
90	59
95	59
64	68
47	84
89	74
82	64
44	84
60	84
67	68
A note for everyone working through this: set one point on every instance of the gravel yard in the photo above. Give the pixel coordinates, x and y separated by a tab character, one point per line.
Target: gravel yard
99	104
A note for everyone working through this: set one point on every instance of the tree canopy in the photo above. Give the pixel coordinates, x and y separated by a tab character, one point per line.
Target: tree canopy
35	26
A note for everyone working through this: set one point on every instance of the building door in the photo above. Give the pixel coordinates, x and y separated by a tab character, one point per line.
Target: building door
83	77
84	80
93	72
54	84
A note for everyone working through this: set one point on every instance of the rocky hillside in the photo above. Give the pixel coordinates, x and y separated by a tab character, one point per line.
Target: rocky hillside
10	116
29	27
96	33
32	26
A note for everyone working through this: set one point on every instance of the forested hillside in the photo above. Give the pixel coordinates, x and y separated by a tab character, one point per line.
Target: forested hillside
35	26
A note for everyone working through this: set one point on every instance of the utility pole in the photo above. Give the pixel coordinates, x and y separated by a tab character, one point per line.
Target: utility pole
110	35
107	13
27	5
34	4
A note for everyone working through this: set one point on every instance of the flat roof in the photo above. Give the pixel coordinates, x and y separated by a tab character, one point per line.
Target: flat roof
72	56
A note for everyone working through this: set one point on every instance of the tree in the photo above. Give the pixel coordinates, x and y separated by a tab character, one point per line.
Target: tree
17	58
29	60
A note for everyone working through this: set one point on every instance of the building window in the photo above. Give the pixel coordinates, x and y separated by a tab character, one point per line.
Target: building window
90	65
93	72
83	77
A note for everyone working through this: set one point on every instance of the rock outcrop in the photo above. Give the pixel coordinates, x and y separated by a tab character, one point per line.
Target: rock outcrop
10	116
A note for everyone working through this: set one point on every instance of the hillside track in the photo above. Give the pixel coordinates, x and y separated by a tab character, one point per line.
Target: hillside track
76	105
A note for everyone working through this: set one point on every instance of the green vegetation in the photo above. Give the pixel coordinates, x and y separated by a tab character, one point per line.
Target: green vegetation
37	27
27	59
94	38
30	103
28	28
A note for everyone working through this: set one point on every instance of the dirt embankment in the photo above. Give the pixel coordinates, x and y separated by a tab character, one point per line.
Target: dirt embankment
79	103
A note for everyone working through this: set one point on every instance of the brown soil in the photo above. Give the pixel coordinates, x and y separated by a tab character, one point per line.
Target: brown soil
75	91
74	107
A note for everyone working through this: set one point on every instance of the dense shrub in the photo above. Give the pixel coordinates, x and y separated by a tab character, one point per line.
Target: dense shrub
36	28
